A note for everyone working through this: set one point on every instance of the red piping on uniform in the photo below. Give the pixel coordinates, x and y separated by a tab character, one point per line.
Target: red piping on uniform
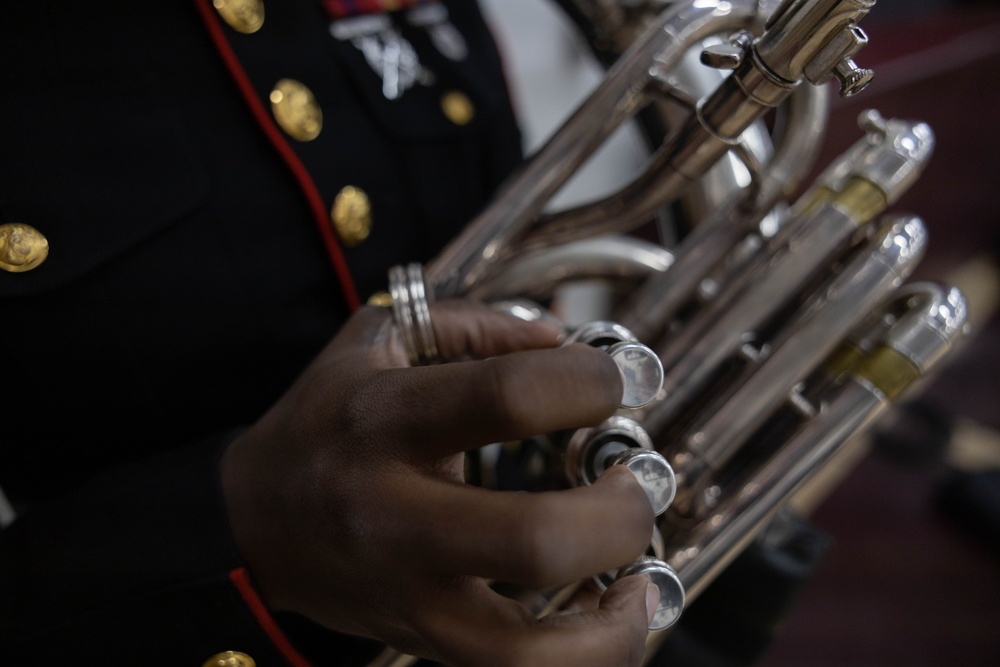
288	155
241	580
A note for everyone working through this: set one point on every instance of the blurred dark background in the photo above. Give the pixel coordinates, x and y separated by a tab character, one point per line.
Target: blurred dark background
896	560
912	575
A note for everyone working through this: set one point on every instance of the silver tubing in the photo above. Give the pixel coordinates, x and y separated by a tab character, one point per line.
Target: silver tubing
806	340
468	258
536	275
854	404
886	161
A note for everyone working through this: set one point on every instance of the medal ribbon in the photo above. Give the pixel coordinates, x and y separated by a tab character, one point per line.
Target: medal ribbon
339	9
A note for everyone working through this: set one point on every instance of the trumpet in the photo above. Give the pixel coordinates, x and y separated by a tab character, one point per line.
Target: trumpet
784	329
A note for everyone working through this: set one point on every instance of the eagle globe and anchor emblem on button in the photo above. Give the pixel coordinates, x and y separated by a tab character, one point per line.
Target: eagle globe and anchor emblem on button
245	16
22	247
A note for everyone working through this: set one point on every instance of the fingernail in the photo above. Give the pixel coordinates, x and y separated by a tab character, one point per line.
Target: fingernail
652	601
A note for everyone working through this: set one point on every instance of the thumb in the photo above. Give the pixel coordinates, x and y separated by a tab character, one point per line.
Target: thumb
633	595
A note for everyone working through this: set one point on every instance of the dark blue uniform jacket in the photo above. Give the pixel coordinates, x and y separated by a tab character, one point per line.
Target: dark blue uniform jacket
192	274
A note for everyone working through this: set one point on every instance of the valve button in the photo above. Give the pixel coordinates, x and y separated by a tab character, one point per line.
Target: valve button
654	475
671	589
642	373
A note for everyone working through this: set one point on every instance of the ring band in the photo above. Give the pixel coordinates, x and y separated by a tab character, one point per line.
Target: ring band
411	312
422	313
401	313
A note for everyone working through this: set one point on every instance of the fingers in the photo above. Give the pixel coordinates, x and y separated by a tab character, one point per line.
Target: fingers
463	329
521	386
471	329
456	407
622	594
483	628
533	539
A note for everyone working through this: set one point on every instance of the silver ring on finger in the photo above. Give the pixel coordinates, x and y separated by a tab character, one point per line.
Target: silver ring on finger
412	315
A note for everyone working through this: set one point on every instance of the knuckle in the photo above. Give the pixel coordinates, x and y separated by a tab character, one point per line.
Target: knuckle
351	414
478	333
381	390
499	391
537	548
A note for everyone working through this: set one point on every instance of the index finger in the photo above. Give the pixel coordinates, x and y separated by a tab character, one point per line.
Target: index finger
451	408
463	329
537	540
470	329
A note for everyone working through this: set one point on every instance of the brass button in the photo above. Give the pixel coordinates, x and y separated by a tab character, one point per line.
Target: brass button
22	247
382	299
246	16
352	215
230	659
457	107
296	110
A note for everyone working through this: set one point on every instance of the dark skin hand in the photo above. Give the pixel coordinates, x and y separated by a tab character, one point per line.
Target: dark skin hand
348	503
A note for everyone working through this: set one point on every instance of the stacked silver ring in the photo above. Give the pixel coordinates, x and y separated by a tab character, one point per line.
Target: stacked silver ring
411	312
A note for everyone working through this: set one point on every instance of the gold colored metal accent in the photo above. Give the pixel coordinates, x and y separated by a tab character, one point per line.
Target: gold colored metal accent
889	370
246	16
296	110
457	107
843	359
863	199
230	659
813	199
22	247
380	299
352	215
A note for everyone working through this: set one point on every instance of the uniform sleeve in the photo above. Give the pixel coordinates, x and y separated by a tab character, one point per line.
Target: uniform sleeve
136	565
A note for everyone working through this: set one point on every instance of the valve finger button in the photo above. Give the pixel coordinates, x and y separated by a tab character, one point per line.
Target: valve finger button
590	451
600	333
642	373
654	474
641	369
671	589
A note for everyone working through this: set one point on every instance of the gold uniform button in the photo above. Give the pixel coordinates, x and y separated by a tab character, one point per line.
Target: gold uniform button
381	299
230	659
296	110
22	247
352	215
457	107
246	16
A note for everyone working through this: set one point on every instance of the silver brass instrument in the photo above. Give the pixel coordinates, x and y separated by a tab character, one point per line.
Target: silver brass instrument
784	329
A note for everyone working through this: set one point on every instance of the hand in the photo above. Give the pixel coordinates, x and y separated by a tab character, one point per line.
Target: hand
348	504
